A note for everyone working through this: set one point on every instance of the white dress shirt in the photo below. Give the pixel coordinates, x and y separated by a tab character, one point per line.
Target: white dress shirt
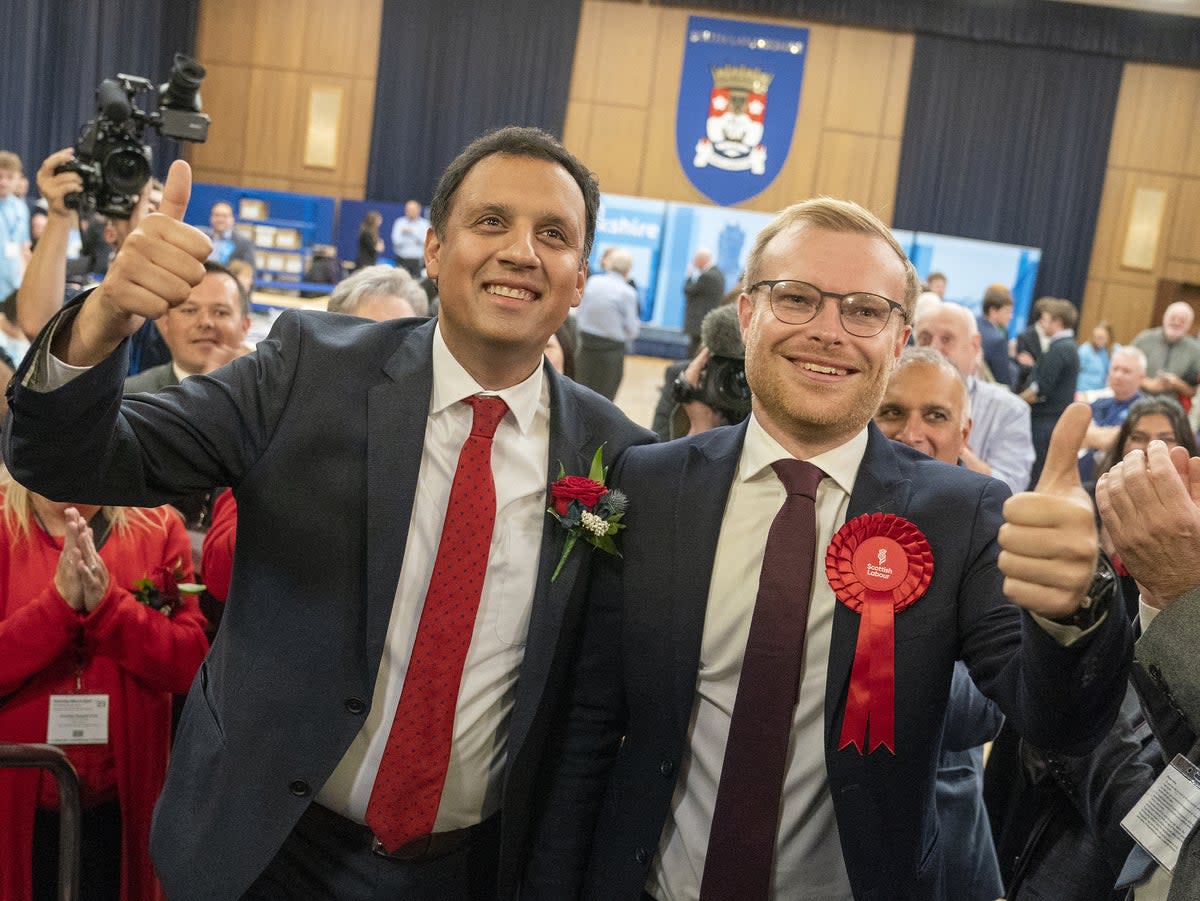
520	451
808	854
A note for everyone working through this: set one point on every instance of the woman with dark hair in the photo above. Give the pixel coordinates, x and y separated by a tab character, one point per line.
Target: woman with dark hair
95	636
370	244
1150	418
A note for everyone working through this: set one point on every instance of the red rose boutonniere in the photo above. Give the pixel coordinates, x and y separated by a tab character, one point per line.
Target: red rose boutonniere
163	589
587	509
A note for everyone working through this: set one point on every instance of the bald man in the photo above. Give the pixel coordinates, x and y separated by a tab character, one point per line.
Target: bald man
1001	442
1172	354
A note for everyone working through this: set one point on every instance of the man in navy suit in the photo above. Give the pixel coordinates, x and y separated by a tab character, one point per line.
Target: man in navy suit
340	437
638	790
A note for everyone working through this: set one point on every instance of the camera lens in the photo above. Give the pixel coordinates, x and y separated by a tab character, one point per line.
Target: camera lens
183	84
126	170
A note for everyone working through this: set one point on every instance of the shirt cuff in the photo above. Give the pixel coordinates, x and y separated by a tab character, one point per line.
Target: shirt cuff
48	372
1067	635
1146	614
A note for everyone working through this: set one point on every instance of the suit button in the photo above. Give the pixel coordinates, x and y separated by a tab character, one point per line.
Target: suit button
355	706
641	855
666	768
300	788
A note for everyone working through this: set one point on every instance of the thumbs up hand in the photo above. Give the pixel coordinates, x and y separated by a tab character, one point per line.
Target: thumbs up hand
156	268
1049	543
1150	504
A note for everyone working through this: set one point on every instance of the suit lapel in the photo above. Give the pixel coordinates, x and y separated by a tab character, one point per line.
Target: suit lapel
879	488
397	411
569	446
701	493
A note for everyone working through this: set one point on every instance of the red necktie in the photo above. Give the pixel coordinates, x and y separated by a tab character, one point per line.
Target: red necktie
745	824
412	772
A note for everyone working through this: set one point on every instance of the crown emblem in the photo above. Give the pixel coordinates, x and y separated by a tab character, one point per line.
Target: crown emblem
741	78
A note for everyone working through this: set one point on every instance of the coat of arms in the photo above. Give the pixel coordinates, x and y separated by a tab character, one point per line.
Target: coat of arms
737	112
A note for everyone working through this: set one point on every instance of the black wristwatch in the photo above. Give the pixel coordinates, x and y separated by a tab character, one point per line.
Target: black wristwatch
1099	596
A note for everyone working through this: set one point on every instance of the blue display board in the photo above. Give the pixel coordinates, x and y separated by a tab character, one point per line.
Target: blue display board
309	213
970	266
635	224
728	233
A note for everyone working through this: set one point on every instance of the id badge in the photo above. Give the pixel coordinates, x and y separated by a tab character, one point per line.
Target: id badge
1165	816
78	720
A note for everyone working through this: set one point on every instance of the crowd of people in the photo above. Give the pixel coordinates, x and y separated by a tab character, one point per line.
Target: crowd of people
502	642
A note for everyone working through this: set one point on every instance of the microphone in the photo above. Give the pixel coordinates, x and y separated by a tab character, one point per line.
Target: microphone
721	332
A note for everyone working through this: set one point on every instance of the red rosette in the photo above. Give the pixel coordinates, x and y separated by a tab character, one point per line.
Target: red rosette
877	564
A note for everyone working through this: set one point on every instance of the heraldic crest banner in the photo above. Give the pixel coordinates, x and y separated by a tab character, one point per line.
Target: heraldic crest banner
738	99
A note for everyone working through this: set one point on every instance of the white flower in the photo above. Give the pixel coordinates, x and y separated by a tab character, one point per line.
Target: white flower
594	524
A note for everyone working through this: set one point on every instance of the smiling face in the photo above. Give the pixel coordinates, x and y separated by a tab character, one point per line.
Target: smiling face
923	408
815	385
201	330
509	265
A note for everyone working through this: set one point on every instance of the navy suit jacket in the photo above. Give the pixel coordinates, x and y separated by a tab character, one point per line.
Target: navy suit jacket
320	433
626	735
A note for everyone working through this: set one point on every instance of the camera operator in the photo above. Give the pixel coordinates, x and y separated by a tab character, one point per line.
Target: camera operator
44	288
711	389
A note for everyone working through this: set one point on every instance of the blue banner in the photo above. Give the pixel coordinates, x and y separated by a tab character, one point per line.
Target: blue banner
635	224
738	99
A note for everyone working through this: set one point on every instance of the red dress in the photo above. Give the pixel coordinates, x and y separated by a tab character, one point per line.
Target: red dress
124	649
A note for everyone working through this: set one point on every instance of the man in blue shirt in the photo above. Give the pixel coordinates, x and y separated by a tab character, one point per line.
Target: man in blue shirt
408	239
607	320
1125	375
14	225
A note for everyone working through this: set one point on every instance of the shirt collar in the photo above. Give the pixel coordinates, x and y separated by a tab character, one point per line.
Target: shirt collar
841	464
452	383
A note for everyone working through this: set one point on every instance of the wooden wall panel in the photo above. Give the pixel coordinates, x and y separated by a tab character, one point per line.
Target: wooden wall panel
1165	119
274	123
1155	141
896	105
279	27
263	56
1185	243
859	80
615	129
225	97
847	166
630	56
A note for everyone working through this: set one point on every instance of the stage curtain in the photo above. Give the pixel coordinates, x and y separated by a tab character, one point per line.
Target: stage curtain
450	71
1129	34
1009	144
52	56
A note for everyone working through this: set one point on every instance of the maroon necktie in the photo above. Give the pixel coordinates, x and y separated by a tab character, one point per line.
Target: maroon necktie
741	843
408	786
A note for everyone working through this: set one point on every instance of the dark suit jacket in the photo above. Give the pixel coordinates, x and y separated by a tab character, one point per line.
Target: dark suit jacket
1056	373
1029	342
609	798
151	380
704	293
320	434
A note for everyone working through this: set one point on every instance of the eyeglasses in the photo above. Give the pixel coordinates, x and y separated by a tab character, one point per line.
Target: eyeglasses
863	315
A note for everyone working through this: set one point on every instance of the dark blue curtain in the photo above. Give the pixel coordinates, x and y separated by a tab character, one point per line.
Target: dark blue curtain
1132	35
450	71
1009	144
53	54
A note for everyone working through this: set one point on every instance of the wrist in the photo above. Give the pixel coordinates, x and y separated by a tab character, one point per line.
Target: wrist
1096	601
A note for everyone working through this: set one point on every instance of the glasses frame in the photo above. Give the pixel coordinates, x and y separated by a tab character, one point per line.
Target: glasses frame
770	284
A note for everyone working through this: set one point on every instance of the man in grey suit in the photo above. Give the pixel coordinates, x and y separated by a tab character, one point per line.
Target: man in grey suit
340	438
203	333
703	291
1150	506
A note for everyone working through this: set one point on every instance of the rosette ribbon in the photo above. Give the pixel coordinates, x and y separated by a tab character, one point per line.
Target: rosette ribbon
877	564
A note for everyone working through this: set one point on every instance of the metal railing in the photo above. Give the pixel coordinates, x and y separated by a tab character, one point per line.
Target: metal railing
48	757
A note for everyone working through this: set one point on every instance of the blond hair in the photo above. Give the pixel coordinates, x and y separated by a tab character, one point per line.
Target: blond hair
832	214
16	510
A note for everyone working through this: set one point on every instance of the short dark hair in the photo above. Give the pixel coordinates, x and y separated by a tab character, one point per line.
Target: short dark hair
516	141
213	267
996	297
